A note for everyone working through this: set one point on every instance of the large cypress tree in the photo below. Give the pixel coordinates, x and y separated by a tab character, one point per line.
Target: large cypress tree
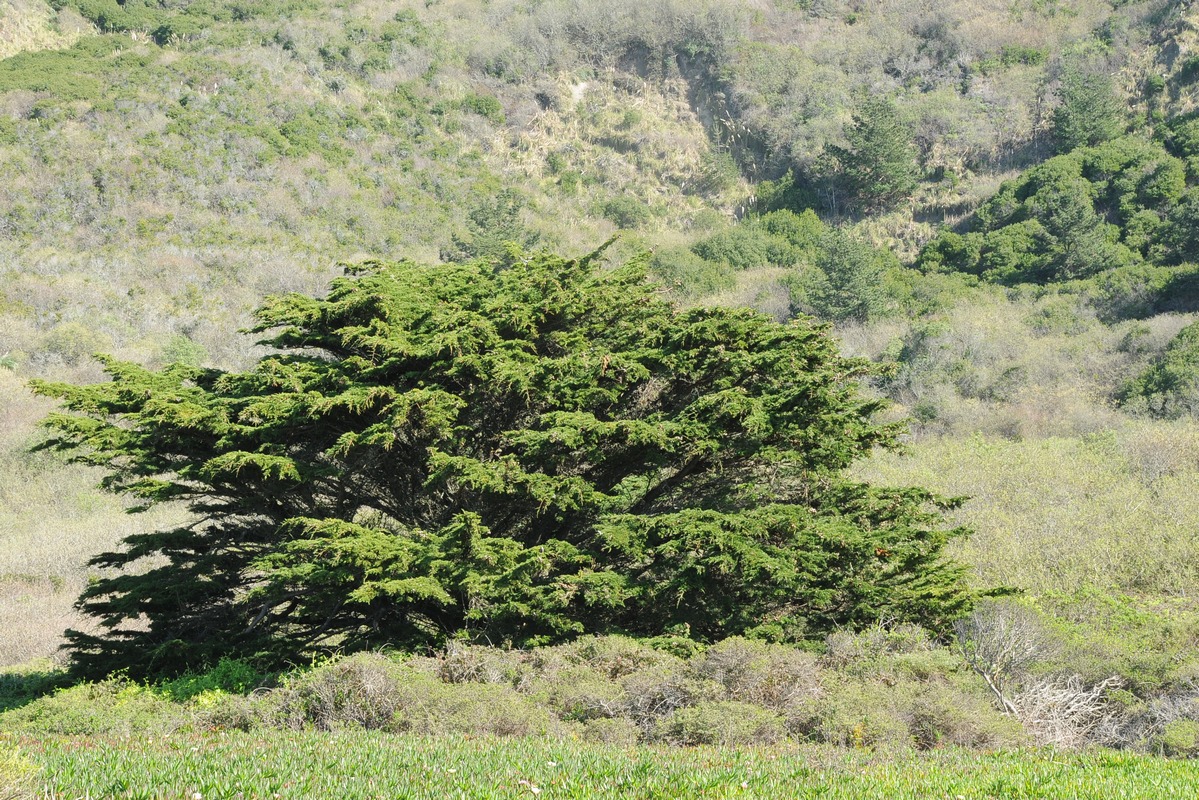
515	454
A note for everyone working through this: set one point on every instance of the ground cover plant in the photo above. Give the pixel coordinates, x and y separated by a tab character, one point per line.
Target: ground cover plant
366	765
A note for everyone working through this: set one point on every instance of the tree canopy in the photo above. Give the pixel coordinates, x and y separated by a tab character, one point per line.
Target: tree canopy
515	453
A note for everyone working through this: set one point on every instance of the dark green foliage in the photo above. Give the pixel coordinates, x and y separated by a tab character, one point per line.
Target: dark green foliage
786	192
1089	112
740	247
169	21
1181	234
804	231
1170	387
779	238
1090	211
509	453
847	282
494	226
627	212
877	167
75	73
1181	135
1143	290
486	106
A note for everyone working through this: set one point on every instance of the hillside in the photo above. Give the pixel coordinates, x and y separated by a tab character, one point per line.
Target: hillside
1030	283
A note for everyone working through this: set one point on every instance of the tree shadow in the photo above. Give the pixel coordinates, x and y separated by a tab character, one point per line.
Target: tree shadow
20	687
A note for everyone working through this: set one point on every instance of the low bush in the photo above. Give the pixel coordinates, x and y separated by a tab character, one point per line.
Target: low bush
728	723
113	707
1169	387
883	688
769	675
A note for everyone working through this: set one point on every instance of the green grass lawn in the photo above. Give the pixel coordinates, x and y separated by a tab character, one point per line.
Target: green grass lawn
369	765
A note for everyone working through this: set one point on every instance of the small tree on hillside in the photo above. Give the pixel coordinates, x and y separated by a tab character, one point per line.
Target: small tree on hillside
493	226
510	453
878	166
846	282
1088	113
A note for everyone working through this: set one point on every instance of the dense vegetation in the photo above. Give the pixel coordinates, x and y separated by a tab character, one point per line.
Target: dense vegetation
508	452
996	204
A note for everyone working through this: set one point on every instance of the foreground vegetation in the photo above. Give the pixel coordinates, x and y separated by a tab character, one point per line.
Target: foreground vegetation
879	714
368	765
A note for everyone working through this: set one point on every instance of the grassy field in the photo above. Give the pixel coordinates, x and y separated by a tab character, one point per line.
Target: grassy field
367	765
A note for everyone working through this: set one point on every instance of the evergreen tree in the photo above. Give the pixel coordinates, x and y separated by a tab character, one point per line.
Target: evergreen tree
493	227
1088	112
847	282
878	167
512	453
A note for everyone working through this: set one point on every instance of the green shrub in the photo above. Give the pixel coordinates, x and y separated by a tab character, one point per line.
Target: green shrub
1179	738
485	105
1054	221
690	275
1169	387
229	675
627	212
846	282
1089	111
727	723
22	685
183	350
804	231
111	707
740	247
74	341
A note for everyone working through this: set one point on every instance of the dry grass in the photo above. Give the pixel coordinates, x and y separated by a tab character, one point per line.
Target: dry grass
52	520
32	25
1115	510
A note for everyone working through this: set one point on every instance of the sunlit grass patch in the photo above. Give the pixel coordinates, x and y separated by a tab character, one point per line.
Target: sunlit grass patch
366	765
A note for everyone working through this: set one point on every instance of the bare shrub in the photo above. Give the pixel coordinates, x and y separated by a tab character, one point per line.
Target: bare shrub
362	691
617	656
620	732
651	694
371	691
1001	641
434	708
583	695
853	714
1167	725
464	663
1064	712
846	648
942	716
